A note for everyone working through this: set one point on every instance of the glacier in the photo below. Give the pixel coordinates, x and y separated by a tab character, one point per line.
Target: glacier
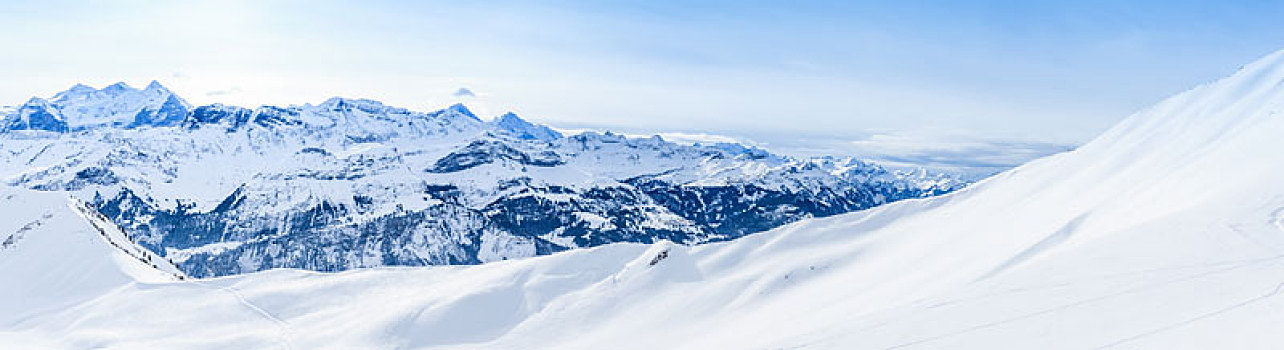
1163	233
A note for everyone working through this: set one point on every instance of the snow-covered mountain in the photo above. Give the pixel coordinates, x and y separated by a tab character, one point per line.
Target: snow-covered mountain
522	129
354	183
1165	232
83	107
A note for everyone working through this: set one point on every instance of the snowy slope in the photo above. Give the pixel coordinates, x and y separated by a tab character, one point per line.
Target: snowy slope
55	252
1166	232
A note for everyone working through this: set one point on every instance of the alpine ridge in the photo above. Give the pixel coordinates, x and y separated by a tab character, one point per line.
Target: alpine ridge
352	183
83	107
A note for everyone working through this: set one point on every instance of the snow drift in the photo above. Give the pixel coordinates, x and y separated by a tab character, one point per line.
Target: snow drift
1165	232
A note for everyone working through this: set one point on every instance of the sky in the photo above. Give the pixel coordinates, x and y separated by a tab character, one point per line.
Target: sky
975	83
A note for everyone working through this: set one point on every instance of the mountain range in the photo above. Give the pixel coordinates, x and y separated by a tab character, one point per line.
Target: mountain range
1165	232
347	183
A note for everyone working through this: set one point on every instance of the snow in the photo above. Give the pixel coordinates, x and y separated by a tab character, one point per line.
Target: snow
53	256
201	167
1162	233
83	106
181	255
497	247
278	163
520	128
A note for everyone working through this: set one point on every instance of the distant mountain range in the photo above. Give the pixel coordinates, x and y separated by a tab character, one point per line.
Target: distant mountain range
349	183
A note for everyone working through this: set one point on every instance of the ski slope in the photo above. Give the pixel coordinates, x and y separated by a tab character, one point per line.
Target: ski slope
1165	232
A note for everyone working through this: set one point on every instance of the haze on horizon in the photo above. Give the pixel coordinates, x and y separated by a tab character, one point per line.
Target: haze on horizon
987	83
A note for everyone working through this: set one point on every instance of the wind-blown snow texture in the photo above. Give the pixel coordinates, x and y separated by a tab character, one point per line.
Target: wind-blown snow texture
1163	233
353	183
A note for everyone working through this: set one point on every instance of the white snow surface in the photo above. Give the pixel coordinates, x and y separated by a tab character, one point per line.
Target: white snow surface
53	255
1163	233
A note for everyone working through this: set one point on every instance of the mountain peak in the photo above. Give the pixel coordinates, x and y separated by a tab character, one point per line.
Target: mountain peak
81	88
334	102
156	86
362	105
76	91
36	114
509	116
36	101
459	108
118	87
519	127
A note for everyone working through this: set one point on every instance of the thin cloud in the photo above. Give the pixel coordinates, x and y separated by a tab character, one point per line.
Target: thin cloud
953	151
224	92
704	138
684	138
464	92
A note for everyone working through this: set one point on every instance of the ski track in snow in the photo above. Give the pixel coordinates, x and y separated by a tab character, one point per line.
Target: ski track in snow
1100	298
1278	217
1205	316
283	327
1116	276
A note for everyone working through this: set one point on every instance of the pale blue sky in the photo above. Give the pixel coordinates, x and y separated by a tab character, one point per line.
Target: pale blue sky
932	71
